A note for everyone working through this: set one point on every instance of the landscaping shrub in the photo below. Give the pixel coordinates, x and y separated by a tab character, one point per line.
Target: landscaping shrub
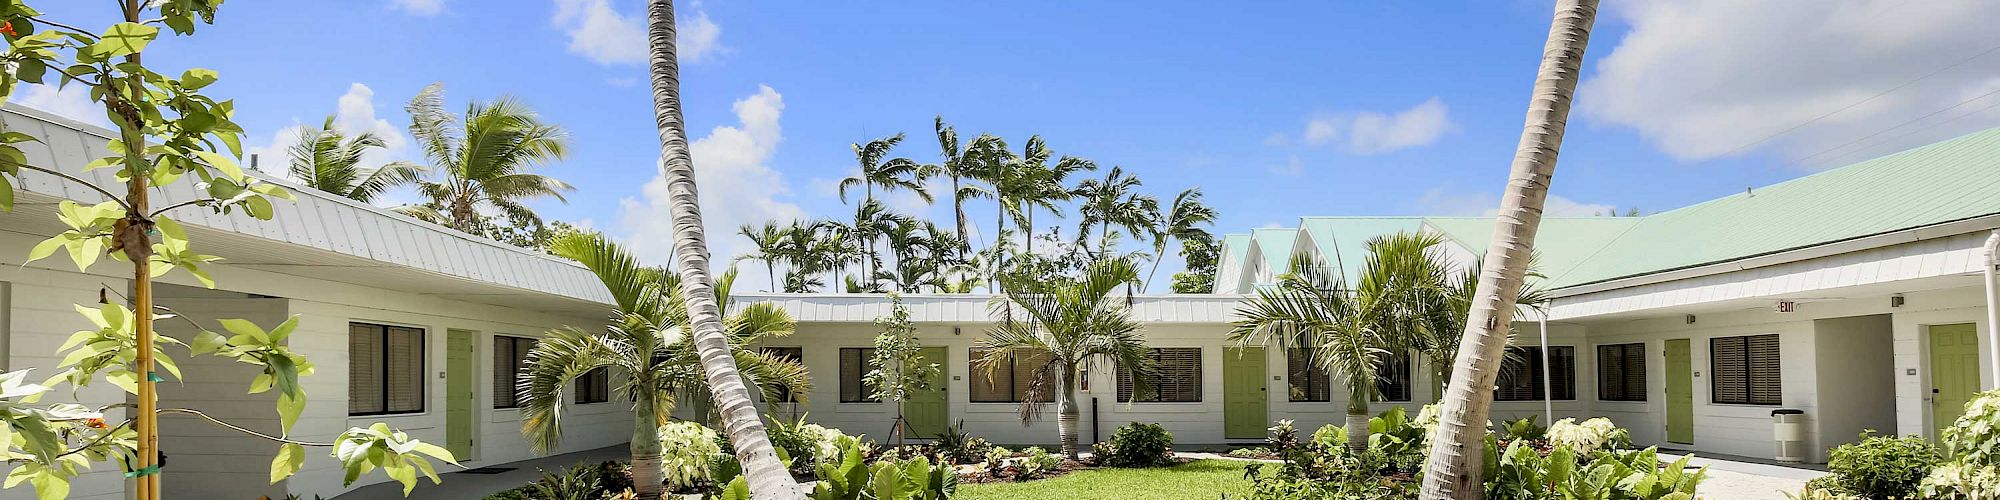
996	459
1882	466
1330	436
1139	445
1973	443
1398	439
1528	428
1591	435
1039	463
804	443
576	482
845	476
959	446
687	453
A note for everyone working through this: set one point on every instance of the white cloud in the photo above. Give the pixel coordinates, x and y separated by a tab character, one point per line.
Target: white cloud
1701	79
1439	202
602	34
1291	168
1372	132
72	102
423	8
737	187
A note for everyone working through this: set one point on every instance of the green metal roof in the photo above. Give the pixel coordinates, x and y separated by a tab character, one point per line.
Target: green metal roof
1951	180
1560	243
1276	245
1943	182
1343	241
1235	244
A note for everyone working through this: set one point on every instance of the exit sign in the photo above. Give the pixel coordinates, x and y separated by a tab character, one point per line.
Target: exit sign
1786	306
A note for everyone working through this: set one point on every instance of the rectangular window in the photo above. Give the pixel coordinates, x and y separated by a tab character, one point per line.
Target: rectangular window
1745	370
1177	380
385	370
1621	372
1392	382
510	360
1010	380
793	354
1309	382
1521	374
855	363
594	386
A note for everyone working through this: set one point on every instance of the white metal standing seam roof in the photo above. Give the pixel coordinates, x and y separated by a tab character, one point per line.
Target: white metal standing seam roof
976	308
343	240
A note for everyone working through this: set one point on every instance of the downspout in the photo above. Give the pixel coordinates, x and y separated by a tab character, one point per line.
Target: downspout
1993	306
1548	379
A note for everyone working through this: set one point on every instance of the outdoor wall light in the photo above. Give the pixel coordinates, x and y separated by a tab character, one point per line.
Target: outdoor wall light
1896	300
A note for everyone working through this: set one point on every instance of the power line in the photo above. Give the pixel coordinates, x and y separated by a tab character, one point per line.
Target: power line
1996	104
1900	125
1816	119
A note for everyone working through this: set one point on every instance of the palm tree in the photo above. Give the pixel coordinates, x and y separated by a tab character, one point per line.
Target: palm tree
1446	307
908	243
1075	325
1457	444
643	341
768	476
802	249
872	219
1348	329
483	161
959	164
768	238
330	161
892	174
836	247
1113	200
1032	183
1181	221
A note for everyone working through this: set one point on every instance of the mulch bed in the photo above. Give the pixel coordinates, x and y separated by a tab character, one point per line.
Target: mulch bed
1012	473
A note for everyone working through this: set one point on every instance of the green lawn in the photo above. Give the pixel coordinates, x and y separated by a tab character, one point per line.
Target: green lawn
1198	480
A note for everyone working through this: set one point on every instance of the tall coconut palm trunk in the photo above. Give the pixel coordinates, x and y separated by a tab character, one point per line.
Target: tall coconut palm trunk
1456	446
768	477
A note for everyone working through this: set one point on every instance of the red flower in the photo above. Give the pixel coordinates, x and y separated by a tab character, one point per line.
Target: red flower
95	423
8	28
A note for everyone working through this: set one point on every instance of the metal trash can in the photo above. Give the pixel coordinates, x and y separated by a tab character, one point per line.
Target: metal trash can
1788	430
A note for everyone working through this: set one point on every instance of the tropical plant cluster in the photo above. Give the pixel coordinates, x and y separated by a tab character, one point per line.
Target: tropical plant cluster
599	481
1521	463
849	475
1137	445
1967	466
880	250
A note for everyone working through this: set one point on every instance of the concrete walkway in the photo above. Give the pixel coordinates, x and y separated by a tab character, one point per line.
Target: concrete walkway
463	486
1747	480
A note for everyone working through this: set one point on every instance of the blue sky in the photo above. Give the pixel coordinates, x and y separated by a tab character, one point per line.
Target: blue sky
1276	111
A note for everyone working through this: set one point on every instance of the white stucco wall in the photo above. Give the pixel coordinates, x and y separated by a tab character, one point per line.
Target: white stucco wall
1854	397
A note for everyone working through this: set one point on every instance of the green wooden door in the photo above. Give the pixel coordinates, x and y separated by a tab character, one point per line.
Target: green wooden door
1680	391
1954	372
928	411
1243	396
460	393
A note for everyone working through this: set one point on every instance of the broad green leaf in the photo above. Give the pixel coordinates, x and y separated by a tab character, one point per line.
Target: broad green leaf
46	247
6	194
195	79
124	379
284	329
259	207
290	459
289	409
123	39
402	473
50	485
241	326
207	342
223	163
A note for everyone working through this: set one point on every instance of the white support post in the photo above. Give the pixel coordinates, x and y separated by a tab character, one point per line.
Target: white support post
1548	386
1993	307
